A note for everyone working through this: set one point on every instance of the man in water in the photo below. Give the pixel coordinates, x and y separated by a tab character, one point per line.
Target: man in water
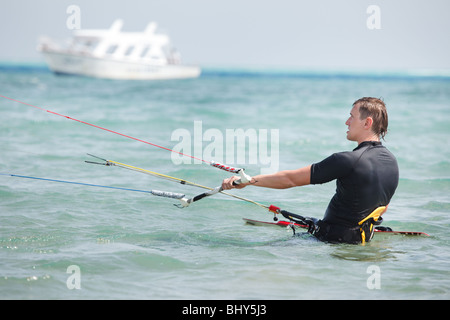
366	178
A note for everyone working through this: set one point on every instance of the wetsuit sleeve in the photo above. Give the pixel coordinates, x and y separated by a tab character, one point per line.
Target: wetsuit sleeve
335	166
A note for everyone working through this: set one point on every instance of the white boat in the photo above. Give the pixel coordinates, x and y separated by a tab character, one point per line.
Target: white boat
113	54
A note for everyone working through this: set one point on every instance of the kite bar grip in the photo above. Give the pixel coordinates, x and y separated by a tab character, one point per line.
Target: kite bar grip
225	167
185	202
167	194
244	178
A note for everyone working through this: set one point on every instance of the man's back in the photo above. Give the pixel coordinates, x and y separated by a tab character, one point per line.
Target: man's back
367	178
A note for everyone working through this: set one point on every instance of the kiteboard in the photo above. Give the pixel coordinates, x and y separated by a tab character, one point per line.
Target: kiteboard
287	224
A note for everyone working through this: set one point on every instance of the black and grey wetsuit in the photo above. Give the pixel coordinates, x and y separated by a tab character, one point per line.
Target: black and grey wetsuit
366	178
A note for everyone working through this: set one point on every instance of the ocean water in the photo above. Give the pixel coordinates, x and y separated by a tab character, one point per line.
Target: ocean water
63	241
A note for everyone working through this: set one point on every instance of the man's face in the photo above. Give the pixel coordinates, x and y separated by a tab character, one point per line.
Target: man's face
355	125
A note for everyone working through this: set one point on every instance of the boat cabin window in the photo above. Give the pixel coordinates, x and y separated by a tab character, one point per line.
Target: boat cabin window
111	49
129	50
145	51
91	44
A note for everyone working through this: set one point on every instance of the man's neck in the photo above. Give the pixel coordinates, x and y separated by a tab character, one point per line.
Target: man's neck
368	138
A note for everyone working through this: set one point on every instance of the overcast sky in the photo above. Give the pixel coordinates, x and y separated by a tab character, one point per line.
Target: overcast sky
253	33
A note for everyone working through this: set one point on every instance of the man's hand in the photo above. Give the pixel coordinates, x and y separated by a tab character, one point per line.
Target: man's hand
227	184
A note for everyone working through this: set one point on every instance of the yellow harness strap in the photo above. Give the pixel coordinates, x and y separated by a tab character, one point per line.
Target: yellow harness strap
375	215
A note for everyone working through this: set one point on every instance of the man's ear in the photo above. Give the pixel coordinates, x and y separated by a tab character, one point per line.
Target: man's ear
368	123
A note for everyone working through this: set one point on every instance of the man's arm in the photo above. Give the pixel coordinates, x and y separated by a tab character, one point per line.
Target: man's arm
280	180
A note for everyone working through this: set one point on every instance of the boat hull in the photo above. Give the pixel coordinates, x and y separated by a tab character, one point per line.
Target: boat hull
62	63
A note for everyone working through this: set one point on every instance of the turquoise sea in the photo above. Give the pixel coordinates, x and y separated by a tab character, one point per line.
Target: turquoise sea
62	241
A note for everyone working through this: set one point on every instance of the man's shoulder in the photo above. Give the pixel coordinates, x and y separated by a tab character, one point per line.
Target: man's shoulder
345	155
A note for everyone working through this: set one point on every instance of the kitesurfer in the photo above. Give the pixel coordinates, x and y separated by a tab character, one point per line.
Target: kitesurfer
366	178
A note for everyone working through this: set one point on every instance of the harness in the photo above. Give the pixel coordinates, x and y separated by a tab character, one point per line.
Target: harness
368	222
333	233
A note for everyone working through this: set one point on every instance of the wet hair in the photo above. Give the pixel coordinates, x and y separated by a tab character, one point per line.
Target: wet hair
376	109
